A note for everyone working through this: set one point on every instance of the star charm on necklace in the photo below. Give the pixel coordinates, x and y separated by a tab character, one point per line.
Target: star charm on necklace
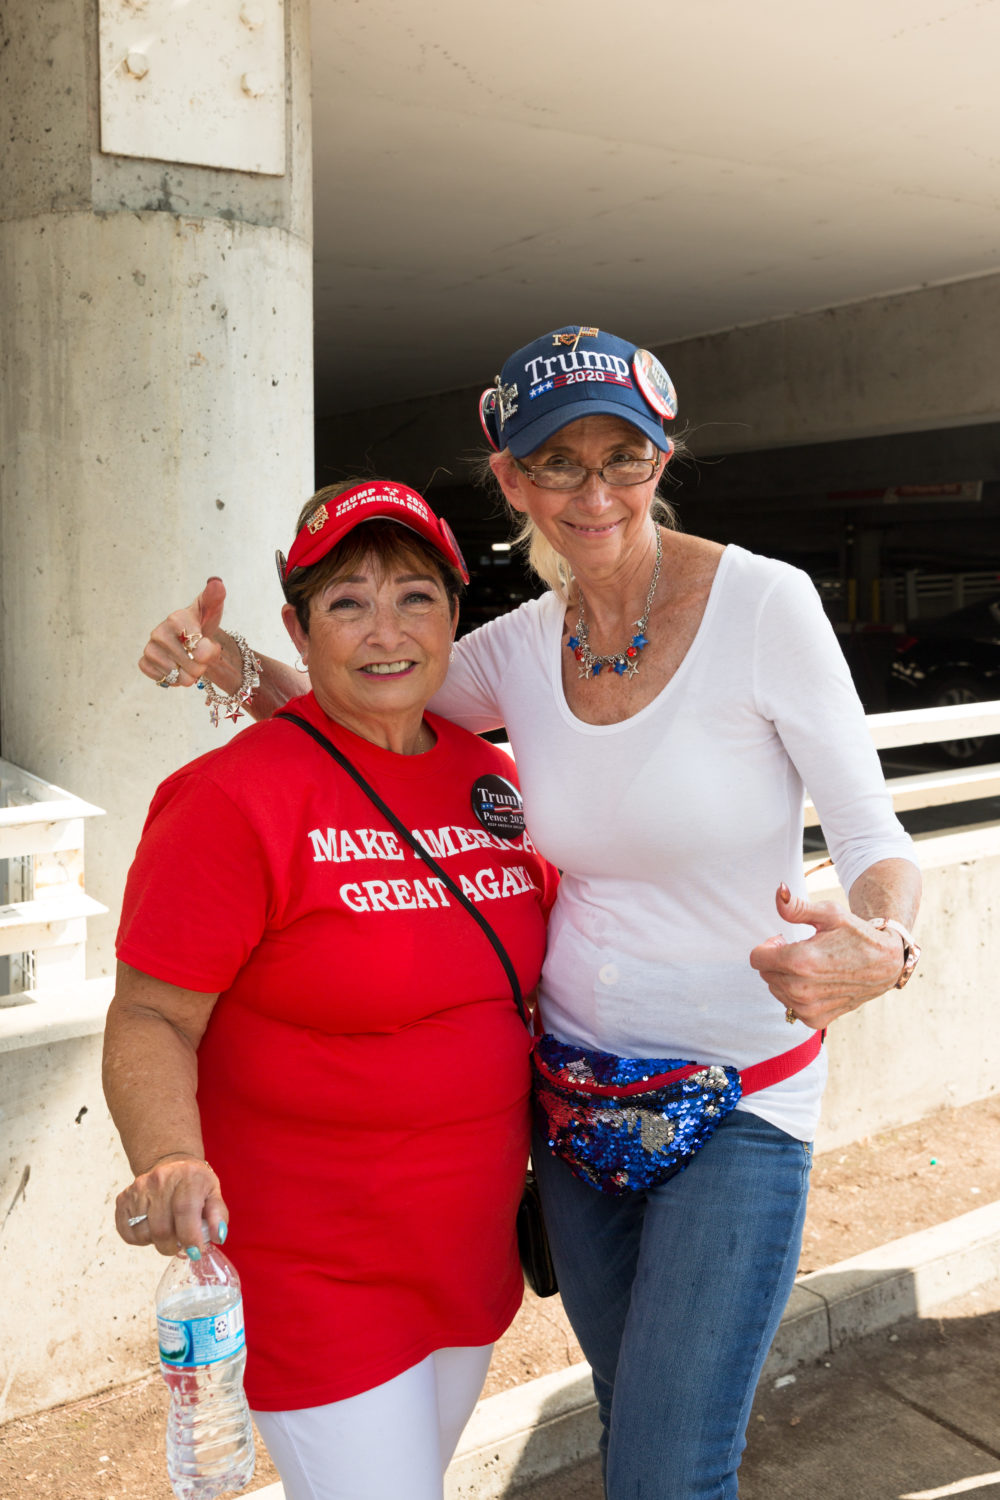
622	663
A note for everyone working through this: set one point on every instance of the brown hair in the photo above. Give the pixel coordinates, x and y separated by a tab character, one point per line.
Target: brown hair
388	542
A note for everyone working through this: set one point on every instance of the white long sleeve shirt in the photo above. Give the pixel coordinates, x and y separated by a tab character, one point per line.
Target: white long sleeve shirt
674	828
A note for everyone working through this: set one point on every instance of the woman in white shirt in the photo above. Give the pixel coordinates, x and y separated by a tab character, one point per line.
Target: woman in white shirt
667	700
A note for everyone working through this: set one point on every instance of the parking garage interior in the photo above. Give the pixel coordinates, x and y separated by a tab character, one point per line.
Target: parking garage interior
894	530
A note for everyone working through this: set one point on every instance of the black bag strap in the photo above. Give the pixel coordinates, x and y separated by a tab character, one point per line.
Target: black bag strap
418	849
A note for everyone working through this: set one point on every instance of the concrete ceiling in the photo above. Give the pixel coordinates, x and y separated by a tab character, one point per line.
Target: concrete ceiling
484	172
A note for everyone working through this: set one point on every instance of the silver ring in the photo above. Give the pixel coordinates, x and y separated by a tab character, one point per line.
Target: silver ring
139	1219
169	680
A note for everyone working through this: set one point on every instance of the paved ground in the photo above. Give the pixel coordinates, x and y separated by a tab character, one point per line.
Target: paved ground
910	1414
110	1446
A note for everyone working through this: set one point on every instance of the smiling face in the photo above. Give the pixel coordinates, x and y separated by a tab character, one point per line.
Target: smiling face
377	645
596	526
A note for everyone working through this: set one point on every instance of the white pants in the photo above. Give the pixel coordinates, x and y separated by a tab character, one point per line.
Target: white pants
393	1442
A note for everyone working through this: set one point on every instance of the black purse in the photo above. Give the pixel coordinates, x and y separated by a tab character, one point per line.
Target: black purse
532	1239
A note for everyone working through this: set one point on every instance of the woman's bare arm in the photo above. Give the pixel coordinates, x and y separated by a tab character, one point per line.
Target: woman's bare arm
150	1082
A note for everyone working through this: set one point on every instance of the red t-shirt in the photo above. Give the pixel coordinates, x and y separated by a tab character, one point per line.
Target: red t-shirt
363	1079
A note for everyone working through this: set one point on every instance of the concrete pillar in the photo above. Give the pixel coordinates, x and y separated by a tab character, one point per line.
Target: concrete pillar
156	406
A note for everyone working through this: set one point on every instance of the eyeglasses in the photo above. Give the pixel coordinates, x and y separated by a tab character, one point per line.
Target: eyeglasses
619	472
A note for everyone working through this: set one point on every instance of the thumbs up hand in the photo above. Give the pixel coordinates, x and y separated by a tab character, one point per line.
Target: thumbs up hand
180	649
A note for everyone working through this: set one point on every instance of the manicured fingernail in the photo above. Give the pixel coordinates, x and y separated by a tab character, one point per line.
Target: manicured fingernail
192	1252
223	1231
784	892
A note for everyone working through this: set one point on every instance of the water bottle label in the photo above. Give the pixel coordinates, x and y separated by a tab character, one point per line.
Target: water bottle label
187	1342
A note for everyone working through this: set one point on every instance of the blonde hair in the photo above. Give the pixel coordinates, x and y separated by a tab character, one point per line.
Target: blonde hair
540	555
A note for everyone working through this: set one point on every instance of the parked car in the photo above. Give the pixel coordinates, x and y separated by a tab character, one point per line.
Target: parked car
954	658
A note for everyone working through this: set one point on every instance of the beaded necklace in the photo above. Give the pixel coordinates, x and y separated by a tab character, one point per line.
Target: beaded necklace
620	662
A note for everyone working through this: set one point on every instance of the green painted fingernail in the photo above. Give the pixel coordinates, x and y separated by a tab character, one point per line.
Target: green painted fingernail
192	1252
223	1231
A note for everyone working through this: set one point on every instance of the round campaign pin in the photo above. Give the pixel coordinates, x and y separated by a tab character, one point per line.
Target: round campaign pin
488	416
497	804
654	383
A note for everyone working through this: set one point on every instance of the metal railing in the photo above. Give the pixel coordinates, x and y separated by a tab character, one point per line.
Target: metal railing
929	726
910	596
43	905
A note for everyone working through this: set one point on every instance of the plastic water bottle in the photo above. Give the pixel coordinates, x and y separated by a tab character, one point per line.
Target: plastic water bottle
199	1316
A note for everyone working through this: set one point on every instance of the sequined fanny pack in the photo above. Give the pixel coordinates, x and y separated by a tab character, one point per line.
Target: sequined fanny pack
622	1124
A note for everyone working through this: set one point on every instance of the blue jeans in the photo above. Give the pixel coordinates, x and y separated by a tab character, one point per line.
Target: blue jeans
675	1295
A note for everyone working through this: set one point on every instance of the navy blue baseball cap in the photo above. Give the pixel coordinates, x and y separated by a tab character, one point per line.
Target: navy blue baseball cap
571	373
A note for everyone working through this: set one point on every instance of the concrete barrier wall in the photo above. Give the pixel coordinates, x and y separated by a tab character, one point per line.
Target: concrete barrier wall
936	1043
77	1303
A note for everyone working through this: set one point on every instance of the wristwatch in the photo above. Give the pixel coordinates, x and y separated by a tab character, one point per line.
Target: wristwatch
911	952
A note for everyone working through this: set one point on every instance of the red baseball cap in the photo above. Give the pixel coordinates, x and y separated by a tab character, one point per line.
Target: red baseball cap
377	500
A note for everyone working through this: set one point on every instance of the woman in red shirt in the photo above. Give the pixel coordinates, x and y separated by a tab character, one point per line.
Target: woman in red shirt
308	1008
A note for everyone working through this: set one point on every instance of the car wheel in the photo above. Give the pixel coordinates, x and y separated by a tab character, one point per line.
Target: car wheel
950	692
